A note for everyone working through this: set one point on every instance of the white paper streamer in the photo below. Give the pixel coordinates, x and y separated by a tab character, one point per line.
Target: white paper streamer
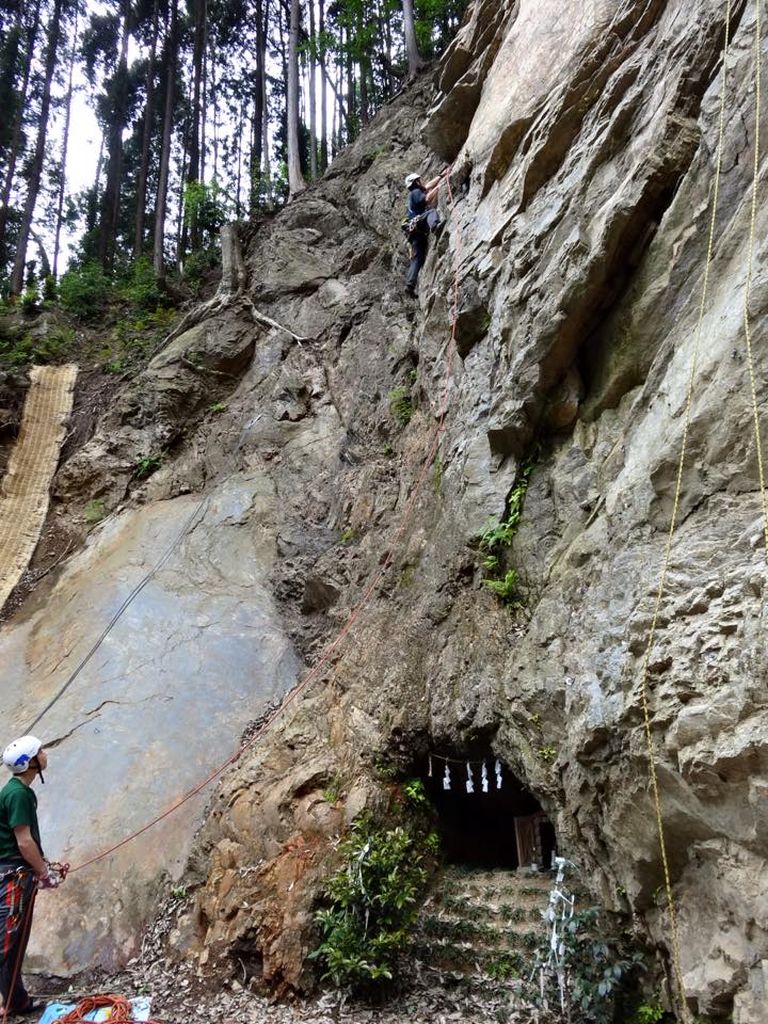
447	777
484	778
498	774
470	783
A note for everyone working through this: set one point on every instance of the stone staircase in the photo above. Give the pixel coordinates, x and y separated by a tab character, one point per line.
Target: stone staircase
481	926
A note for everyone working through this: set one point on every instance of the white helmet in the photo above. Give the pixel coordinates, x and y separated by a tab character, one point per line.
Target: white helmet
18	754
412	179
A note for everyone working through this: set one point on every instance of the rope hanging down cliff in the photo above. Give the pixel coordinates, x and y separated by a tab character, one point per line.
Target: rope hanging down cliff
327	653
645	694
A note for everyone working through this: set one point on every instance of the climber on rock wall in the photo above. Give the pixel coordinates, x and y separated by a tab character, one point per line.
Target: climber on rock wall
421	221
23	867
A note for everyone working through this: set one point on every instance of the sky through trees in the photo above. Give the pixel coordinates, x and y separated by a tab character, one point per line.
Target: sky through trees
204	111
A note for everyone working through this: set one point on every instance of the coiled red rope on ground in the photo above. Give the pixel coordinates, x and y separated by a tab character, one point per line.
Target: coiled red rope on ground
120	1006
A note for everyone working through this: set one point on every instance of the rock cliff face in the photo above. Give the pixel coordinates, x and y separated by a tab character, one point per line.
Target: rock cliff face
583	139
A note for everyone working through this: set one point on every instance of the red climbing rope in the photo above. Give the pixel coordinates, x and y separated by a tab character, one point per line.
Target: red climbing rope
354	615
119	1005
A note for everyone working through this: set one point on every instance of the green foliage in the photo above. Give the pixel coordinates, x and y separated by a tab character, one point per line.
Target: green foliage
501	534
415	793
198	264
401	405
334	791
497	537
141	289
146	465
437	476
52	346
94	511
507	588
505	966
217	407
407	575
594	968
30	298
50	291
372	902
547	754
203	206
85	291
648	1013
348	534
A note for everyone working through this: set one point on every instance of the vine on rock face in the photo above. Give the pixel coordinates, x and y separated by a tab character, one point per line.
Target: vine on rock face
373	900
497	537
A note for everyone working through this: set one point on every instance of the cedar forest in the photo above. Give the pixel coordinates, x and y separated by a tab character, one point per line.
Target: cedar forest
208	111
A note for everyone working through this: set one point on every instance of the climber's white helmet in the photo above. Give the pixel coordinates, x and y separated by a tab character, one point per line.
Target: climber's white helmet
412	179
20	752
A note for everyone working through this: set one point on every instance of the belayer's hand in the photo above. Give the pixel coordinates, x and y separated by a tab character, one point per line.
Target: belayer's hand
53	876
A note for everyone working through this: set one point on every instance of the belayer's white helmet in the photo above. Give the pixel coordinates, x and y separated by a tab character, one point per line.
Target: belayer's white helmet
20	752
411	180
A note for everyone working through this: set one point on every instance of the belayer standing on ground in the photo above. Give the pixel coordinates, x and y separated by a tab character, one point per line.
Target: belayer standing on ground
23	868
422	219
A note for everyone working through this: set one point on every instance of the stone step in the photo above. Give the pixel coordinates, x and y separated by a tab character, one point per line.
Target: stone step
482	926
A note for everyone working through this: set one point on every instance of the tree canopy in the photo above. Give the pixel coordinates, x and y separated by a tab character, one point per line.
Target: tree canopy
208	111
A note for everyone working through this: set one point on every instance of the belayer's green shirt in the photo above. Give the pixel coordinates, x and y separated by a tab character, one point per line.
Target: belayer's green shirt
18	806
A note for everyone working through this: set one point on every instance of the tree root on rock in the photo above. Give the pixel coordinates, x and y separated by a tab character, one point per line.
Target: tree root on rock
232	288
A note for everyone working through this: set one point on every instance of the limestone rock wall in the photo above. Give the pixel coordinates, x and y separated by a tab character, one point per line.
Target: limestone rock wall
583	141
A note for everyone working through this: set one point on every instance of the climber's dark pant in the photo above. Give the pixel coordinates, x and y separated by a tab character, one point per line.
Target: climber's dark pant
420	246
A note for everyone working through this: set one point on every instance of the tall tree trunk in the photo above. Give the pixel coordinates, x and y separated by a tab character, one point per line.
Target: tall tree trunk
296	182
323	93
165	152
266	169
149	111
204	100
215	105
194	165
351	91
45	266
92	209
239	178
390	80
364	62
415	62
65	145
259	107
338	109
110	204
18	124
36	168
312	96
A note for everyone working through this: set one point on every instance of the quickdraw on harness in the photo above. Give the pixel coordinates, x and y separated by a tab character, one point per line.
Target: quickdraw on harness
413	226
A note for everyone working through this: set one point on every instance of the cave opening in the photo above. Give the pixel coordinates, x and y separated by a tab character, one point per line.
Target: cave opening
499	824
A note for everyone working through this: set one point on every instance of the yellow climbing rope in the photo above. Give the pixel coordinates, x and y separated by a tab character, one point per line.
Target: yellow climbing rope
748	287
652	761
651	751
